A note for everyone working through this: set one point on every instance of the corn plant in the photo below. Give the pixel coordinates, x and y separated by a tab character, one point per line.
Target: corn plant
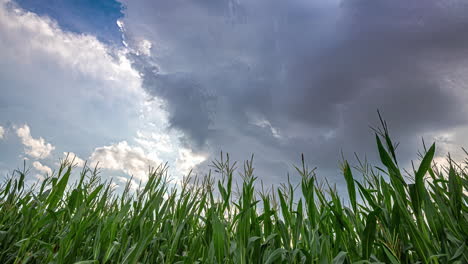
384	218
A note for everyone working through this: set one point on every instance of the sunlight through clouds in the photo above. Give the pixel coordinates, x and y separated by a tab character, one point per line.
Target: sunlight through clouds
129	159
188	160
77	79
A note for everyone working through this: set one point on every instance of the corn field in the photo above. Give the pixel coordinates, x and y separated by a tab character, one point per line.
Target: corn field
385	217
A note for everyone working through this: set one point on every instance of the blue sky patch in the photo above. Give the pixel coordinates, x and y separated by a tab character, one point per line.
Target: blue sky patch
96	17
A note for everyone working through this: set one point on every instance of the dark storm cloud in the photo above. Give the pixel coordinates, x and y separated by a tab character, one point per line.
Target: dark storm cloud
316	71
186	100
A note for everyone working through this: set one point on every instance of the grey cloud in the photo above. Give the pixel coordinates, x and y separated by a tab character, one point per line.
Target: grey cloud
186	101
317	71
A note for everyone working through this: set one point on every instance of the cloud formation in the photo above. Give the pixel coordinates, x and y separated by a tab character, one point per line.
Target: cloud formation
74	159
188	161
2	132
36	148
123	157
42	168
270	77
87	90
283	77
73	82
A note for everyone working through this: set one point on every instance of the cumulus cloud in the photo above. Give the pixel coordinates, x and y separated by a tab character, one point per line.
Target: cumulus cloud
42	168
188	160
124	181
152	140
84	89
36	148
68	81
123	157
148	151
83	53
2	132
73	157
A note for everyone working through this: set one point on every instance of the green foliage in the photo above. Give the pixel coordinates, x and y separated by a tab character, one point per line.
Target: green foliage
388	221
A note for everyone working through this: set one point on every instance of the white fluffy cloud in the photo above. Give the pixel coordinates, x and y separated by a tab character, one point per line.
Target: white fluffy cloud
73	157
151	140
84	89
42	168
81	53
124	181
123	157
2	132
36	148
188	160
72	82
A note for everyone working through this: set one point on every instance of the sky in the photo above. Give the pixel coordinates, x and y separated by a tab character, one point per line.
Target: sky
131	84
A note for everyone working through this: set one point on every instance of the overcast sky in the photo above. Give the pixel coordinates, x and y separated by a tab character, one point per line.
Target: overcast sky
131	84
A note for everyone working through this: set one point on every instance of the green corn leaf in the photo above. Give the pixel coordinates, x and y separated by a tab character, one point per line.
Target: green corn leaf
57	192
277	254
350	184
387	161
369	234
340	258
